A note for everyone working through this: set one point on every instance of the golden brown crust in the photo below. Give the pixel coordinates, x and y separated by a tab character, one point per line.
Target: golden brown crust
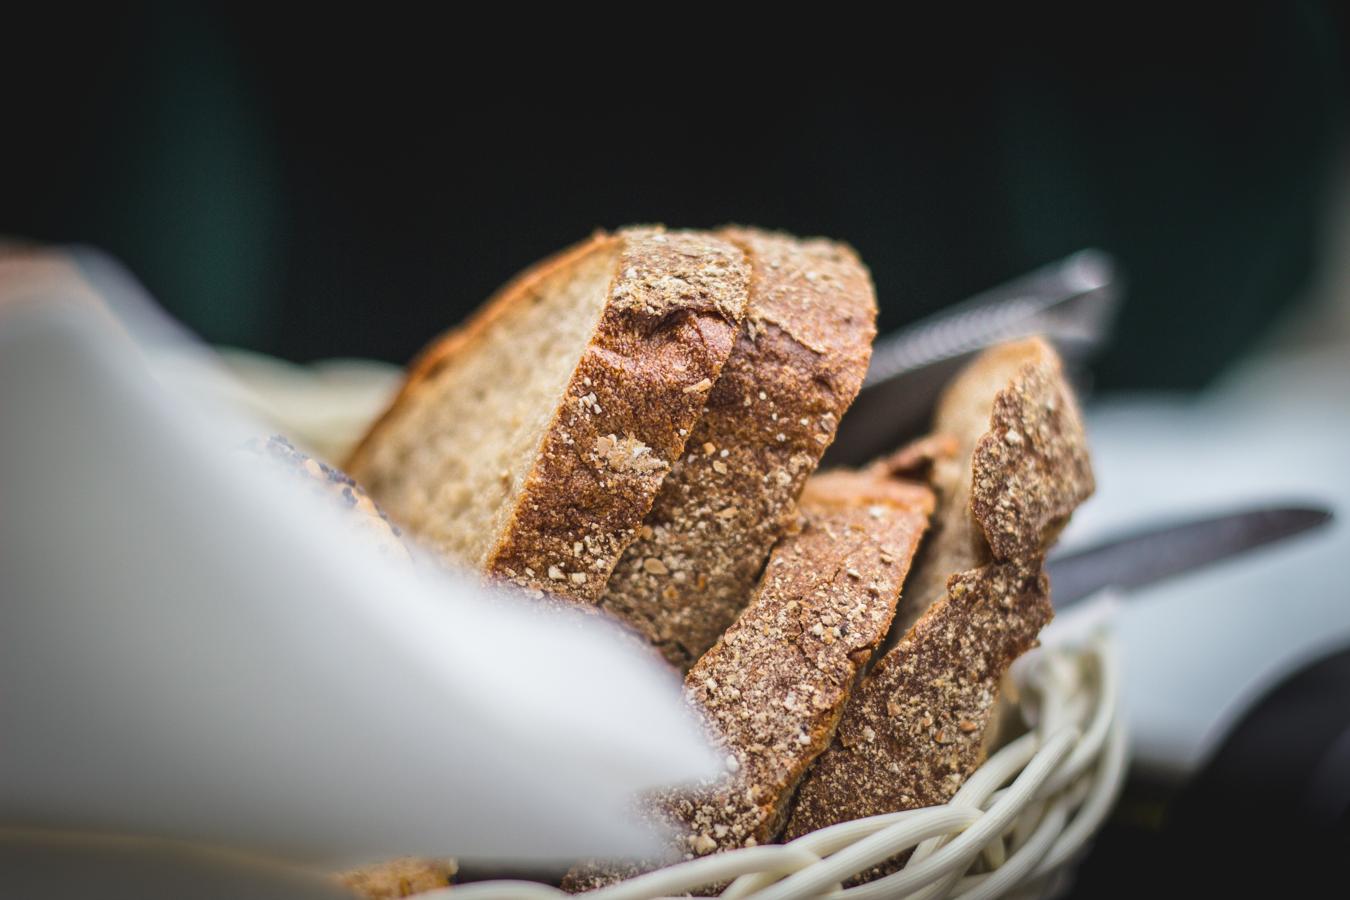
667	328
1032	467
916	726
1002	388
660	345
916	459
799	360
914	730
773	687
405	876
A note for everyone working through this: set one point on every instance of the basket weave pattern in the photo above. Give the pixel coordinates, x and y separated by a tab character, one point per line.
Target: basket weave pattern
1010	830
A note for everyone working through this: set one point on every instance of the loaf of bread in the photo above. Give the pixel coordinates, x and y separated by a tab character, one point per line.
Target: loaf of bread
798	362
773	687
530	443
915	727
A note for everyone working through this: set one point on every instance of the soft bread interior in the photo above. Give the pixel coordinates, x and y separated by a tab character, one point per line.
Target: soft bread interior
451	465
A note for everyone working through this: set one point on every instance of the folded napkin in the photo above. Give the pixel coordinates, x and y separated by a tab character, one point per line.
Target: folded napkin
191	646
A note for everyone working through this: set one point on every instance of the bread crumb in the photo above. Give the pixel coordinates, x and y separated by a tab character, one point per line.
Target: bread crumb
578	577
555	573
626	455
698	387
654	566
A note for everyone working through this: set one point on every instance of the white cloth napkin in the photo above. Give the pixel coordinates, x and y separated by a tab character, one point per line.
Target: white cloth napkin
191	648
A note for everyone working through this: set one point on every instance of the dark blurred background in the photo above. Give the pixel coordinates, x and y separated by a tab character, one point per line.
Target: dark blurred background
314	184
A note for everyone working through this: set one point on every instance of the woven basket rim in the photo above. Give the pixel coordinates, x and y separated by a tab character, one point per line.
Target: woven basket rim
1017	823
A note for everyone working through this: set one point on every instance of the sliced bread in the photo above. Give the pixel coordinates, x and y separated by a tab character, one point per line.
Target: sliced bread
915	728
998	495
530	443
772	688
798	362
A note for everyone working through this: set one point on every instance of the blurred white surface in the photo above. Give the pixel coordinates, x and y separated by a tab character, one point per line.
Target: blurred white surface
190	648
1199	648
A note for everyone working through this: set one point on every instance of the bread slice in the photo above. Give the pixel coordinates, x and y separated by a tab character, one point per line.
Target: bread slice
530	443
984	510
798	362
915	728
773	687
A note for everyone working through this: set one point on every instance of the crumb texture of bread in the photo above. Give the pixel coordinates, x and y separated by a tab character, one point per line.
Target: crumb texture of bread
913	731
771	690
530	443
405	876
917	725
798	363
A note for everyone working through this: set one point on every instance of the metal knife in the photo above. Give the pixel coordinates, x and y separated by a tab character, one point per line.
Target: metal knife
1071	303
1143	557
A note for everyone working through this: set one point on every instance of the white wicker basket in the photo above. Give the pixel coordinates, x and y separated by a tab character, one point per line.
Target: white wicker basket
1011	830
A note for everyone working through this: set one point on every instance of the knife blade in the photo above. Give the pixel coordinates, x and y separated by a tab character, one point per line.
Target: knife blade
1071	303
1154	554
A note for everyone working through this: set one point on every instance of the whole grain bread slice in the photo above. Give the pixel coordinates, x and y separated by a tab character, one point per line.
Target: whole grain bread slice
798	363
916	726
530	443
772	688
